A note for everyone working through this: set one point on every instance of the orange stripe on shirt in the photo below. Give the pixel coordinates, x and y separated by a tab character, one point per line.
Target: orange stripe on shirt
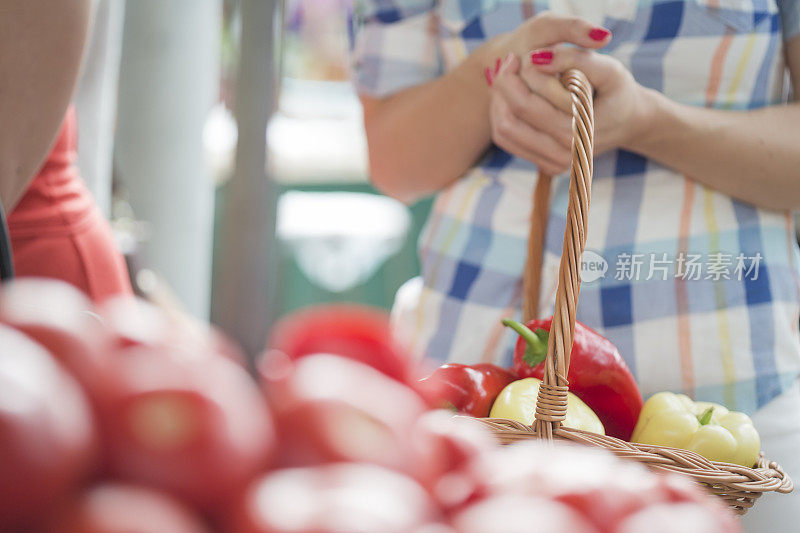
717	62
444	199
490	351
528	9
723	320
682	294
681	288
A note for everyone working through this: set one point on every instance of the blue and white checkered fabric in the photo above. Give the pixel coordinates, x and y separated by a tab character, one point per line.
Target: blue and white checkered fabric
701	292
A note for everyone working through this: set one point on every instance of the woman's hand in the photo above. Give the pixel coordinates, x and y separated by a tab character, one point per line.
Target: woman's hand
529	116
749	155
622	107
546	29
408	131
530	112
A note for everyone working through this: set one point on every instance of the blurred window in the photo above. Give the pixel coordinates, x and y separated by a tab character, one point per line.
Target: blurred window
317	134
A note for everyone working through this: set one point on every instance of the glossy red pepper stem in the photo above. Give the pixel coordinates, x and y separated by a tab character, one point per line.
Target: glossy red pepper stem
536	349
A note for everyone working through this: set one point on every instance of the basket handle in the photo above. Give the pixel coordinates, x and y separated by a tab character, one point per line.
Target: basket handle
537	233
551	403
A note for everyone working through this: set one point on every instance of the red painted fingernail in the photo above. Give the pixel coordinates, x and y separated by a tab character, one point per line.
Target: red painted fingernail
599	34
542	57
488	75
498	62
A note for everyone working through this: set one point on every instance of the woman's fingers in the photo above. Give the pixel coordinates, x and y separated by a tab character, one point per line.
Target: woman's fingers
546	85
523	140
601	70
548	29
621	108
544	163
508	66
532	108
516	94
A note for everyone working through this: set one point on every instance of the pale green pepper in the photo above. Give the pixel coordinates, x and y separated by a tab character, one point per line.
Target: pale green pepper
674	420
518	402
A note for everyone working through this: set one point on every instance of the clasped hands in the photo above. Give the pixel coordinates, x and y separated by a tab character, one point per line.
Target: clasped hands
531	111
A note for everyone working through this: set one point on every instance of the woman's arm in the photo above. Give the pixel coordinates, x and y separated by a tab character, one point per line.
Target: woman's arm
793	62
753	155
40	53
423	138
750	155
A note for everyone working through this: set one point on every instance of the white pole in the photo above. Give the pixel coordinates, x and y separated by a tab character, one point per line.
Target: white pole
243	283
169	79
96	100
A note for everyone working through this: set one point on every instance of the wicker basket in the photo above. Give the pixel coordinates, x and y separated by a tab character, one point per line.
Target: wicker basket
739	486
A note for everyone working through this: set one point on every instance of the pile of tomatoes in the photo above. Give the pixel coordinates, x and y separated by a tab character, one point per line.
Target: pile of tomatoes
126	418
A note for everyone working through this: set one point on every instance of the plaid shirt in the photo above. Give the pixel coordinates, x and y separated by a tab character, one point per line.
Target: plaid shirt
699	292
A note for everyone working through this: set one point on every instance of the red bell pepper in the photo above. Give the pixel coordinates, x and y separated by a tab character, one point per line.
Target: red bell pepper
597	373
469	389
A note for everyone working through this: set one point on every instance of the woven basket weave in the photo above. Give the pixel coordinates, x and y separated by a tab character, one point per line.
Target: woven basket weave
739	486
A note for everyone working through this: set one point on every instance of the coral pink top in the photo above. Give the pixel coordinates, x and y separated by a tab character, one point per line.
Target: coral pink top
57	230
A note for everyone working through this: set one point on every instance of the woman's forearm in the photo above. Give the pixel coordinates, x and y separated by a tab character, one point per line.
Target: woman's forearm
753	156
40	53
425	137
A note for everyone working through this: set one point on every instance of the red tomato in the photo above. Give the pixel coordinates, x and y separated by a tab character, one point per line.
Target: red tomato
520	513
682	517
445	449
136	322
46	431
117	508
356	332
590	480
346	497
59	317
330	408
434	527
680	490
190	423
599	486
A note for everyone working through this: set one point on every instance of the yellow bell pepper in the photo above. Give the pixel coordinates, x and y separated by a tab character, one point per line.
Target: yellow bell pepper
517	401
674	420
